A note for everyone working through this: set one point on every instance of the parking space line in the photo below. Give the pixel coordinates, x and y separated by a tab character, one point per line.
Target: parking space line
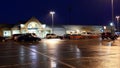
16	65
51	58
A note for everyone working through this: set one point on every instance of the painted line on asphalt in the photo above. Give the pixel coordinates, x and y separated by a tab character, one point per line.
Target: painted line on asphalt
16	65
68	65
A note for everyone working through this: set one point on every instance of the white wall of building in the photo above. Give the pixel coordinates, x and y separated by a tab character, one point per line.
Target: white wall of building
59	31
16	32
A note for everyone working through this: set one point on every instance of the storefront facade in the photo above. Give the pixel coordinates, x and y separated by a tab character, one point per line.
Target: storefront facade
33	25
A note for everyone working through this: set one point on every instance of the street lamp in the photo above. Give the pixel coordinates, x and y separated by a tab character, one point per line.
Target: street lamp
112	27
52	13
104	28
111	24
118	18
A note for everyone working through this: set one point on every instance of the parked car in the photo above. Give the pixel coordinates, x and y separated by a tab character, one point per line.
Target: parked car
28	37
15	36
76	36
108	35
48	36
66	36
2	39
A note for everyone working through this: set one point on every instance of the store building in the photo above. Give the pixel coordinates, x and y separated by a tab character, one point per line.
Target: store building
33	25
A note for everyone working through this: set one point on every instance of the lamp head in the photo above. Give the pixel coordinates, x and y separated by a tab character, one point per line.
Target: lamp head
52	12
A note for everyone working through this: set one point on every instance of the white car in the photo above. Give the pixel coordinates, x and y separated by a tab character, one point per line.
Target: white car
48	36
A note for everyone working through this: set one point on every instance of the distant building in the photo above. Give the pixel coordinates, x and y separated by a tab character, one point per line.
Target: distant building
33	25
79	29
5	29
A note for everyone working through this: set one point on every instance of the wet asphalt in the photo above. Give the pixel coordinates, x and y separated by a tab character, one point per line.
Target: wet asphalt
55	53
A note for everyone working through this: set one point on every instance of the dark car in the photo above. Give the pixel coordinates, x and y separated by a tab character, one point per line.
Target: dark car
67	36
15	36
28	37
108	35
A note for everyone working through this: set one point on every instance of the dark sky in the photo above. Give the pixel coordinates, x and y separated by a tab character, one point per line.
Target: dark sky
81	12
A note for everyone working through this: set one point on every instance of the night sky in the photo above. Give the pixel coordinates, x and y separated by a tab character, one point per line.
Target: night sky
74	12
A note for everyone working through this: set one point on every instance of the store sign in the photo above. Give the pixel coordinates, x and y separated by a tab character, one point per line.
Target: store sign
32	28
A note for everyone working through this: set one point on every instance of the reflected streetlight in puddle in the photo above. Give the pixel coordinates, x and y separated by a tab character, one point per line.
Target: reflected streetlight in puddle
53	64
52	41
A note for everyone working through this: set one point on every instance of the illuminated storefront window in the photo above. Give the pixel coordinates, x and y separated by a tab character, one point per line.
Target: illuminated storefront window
16	32
33	25
7	33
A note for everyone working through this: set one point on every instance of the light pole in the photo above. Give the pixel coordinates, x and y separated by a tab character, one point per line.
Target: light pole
118	18
52	13
112	6
112	13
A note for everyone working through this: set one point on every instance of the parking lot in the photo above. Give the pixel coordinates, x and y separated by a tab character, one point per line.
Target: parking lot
56	53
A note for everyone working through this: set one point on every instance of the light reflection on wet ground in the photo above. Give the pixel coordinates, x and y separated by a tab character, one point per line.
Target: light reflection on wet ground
61	54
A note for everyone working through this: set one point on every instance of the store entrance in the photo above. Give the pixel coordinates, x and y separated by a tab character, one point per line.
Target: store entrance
36	31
